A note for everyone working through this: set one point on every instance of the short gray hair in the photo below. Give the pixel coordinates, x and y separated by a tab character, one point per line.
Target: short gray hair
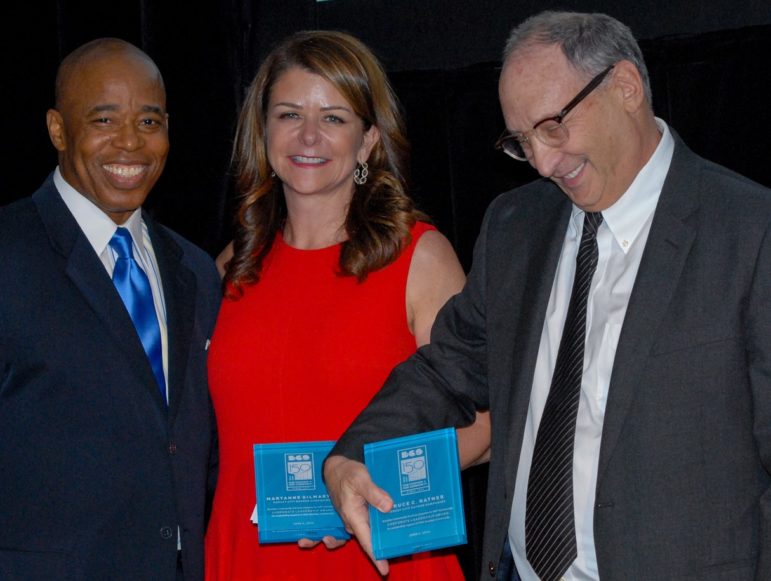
590	42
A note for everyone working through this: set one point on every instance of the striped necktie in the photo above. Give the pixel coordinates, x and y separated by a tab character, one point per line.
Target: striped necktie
550	535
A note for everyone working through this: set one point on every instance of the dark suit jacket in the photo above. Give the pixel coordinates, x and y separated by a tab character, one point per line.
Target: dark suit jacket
683	482
95	473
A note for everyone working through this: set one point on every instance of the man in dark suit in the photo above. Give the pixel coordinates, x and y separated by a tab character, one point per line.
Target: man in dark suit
107	437
617	324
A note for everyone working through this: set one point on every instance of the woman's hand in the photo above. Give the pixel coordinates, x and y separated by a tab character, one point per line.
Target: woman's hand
330	543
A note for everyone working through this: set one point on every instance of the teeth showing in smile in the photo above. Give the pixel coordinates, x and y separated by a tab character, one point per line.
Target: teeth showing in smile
575	172
303	159
124	171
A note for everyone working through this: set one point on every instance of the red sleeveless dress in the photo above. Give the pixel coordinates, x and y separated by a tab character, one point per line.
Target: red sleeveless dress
295	359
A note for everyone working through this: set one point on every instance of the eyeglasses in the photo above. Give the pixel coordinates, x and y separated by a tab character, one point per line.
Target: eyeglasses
550	131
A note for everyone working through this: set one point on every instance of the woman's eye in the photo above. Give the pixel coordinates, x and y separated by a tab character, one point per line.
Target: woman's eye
334	119
288	115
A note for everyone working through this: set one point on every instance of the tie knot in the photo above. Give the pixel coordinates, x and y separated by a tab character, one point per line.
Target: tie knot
592	221
121	242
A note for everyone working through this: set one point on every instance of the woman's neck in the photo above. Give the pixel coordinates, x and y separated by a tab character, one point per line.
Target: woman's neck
316	221
313	226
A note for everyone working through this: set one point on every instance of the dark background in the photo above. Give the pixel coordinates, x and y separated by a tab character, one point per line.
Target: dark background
708	62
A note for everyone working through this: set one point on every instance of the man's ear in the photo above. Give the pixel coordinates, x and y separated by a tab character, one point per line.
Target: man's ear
55	124
628	80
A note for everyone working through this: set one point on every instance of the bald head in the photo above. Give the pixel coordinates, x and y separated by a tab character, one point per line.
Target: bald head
110	125
91	53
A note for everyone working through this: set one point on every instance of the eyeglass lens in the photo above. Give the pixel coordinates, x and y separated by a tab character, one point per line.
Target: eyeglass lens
550	131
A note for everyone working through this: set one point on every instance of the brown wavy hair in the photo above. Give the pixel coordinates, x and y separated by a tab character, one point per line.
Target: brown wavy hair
380	214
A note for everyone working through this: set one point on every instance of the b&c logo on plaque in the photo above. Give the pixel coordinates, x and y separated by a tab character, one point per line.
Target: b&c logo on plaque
300	472
413	470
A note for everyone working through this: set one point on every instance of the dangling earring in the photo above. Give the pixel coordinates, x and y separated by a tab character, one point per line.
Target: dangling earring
360	173
272	174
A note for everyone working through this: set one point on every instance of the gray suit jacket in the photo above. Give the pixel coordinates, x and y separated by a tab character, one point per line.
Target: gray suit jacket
683	482
96	474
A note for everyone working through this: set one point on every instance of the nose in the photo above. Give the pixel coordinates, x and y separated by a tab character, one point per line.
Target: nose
309	131
544	158
128	137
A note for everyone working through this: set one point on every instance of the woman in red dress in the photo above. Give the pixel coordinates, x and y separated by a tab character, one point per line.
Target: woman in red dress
331	280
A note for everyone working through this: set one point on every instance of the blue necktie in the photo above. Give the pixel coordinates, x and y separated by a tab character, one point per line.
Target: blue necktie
134	288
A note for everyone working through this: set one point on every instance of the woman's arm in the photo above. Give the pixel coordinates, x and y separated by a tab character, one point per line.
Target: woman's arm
222	260
436	275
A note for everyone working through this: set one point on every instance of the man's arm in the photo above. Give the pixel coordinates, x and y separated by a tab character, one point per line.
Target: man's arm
759	357
443	384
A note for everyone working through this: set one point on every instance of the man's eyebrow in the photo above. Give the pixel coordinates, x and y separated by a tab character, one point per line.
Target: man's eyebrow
104	108
153	109
110	107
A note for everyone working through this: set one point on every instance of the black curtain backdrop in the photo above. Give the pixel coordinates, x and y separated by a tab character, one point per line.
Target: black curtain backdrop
708	64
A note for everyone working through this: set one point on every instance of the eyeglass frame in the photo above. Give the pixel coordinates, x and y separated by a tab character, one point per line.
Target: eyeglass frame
558	118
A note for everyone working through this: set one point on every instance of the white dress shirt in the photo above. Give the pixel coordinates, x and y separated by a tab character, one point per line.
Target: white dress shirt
621	240
99	229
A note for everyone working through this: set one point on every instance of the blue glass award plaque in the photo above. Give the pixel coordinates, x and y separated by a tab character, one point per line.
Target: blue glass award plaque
422	475
292	501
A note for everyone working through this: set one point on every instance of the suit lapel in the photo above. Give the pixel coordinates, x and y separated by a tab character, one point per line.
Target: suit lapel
545	228
179	291
88	275
666	250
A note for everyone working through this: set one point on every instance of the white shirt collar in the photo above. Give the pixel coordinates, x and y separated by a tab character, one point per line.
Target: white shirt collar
627	216
96	225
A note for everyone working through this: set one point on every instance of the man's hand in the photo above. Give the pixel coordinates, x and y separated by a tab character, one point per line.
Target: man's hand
351	490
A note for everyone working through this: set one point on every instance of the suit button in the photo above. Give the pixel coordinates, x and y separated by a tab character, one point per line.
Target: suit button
172	448
166	532
491	568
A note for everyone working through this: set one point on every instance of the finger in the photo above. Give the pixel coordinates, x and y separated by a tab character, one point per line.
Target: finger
359	521
332	543
377	497
352	491
307	543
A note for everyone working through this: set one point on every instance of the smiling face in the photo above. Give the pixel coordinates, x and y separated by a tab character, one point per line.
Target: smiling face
111	130
610	136
314	138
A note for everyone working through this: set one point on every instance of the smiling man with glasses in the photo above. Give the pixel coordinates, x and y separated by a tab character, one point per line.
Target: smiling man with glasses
550	131
616	323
